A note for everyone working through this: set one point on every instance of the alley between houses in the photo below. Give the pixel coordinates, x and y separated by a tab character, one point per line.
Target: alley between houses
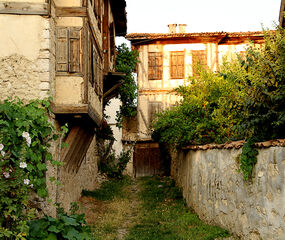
149	208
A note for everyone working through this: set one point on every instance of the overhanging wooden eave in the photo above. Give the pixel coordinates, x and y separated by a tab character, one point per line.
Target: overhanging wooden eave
77	110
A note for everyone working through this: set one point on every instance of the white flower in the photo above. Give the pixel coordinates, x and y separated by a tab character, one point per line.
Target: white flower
1	146
31	185
29	141
25	135
26	181
23	165
6	174
3	153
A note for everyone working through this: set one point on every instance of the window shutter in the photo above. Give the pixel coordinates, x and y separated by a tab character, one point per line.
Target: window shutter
155	66
177	65
68	49
74	50
62	50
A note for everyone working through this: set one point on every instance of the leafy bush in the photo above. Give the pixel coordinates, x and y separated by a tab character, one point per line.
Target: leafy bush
25	134
71	227
202	116
114	166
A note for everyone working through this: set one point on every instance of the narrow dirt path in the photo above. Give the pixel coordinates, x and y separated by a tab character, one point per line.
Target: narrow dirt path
144	209
112	219
132	215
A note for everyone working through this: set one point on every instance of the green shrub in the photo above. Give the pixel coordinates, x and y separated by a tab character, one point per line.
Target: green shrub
114	166
71	227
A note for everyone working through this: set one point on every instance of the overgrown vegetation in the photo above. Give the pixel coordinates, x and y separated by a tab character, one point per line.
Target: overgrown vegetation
25	136
65	226
114	165
245	99
110	189
126	62
248	159
150	208
164	215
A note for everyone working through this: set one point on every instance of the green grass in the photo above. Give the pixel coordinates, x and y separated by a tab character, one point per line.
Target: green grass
164	215
110	189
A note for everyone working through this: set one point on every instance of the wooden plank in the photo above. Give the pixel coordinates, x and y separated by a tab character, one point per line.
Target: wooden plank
71	12
62	49
24	8
69	108
78	140
74	50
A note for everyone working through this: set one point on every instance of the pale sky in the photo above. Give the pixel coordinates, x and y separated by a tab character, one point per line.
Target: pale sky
152	16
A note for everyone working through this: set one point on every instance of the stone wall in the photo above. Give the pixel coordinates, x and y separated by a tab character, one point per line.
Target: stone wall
24	56
73	183
215	189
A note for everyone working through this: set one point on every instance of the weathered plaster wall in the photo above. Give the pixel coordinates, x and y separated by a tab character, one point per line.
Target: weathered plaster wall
24	56
218	193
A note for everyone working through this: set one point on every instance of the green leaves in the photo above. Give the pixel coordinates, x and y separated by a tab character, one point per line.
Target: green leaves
71	227
248	159
126	62
25	132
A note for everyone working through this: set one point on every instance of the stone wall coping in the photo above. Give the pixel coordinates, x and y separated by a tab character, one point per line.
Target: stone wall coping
236	145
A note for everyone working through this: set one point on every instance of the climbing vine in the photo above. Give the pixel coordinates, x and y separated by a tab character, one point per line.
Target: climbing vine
126	62
25	136
248	159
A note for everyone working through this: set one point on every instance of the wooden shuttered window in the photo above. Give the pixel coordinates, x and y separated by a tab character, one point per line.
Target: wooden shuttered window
153	108
199	59
177	65
155	65
68	48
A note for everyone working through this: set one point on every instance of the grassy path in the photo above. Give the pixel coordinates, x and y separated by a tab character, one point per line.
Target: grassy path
145	209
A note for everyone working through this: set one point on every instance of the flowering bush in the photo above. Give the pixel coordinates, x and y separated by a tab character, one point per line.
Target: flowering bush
25	133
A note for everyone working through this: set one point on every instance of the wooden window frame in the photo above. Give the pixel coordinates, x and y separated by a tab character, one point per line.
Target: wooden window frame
155	66
177	67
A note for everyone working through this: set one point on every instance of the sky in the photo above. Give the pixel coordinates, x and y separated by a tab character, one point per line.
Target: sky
153	16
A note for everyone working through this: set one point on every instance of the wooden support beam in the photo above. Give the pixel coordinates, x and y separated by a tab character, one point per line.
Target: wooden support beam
24	8
77	109
69	108
71	12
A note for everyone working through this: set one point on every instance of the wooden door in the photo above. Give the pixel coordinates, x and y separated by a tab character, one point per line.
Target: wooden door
147	159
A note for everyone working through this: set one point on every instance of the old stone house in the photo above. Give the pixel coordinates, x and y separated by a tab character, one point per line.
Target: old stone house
166	61
64	49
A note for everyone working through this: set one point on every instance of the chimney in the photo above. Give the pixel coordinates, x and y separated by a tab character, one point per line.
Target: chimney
182	28
172	28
